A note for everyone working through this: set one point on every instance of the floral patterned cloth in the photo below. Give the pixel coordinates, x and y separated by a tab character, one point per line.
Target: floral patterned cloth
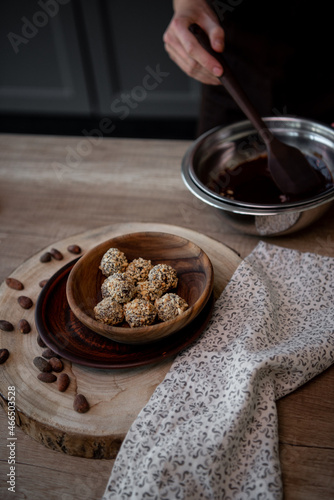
209	430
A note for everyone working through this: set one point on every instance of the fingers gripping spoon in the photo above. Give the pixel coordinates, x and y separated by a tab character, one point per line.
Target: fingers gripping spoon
287	165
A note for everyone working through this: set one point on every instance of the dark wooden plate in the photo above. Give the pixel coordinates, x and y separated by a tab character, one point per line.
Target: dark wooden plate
64	334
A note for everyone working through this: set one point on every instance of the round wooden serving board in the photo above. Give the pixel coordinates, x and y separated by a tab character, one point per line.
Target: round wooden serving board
116	396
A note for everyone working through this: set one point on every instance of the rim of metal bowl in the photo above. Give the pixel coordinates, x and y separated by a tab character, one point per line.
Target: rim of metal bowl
290	126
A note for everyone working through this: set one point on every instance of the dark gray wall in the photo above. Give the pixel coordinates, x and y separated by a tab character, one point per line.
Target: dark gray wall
91	58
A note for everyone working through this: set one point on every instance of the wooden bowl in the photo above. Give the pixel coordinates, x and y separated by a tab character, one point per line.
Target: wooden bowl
195	283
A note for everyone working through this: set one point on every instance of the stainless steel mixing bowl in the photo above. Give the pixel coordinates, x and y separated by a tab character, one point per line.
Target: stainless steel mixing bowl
227	147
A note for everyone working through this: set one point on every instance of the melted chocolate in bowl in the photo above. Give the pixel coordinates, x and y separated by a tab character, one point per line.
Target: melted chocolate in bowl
251	182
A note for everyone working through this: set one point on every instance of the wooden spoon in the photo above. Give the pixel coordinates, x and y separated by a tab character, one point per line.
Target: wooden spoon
288	166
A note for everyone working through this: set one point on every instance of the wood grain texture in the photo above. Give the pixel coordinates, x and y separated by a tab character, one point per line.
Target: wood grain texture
48	194
303	474
47	414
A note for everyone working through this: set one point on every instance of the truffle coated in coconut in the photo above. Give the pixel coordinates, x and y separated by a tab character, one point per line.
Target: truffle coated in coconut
164	275
139	312
138	269
149	290
113	261
169	306
109	311
119	287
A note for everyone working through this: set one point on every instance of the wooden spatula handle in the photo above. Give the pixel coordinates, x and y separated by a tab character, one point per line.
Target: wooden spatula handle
232	85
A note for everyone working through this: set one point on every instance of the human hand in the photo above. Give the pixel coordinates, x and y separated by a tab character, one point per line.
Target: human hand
183	47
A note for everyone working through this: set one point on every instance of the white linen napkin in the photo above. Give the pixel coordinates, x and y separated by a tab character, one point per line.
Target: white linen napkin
209	430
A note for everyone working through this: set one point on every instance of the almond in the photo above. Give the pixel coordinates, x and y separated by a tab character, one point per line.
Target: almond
43	283
56	364
48	378
80	404
40	342
56	254
4	353
74	249
63	382
24	326
14	283
46	257
49	353
42	364
25	302
6	326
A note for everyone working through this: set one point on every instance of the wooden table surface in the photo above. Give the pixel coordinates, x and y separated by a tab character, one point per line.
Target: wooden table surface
55	187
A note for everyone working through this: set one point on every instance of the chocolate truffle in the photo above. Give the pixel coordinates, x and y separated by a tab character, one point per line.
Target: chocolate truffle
109	311
139	312
164	276
149	290
120	287
169	306
113	261
138	269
